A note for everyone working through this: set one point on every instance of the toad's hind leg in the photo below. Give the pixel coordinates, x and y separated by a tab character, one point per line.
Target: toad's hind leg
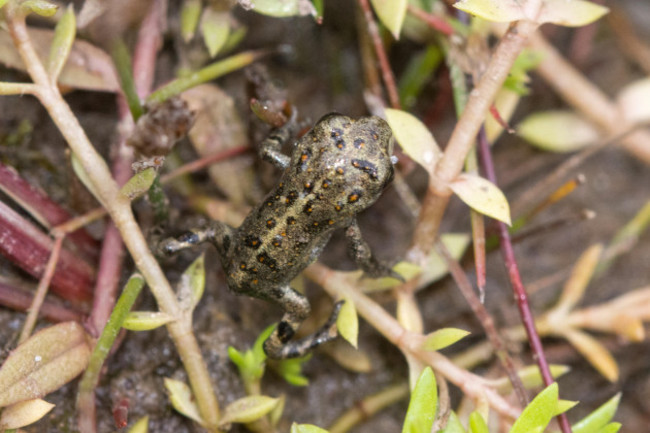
296	309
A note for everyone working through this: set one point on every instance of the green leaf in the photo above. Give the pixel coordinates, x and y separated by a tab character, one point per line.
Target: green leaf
141	425
477	423
80	171
539	412
64	35
192	284
391	13
414	137
347	323
182	399
306	428
146	320
24	413
43	363
599	418
453	425
570	13
611	428
501	11
443	337
558	131
283	8
190	14
2	3
291	370
40	7
139	183
518	79
482	195
215	28
276	414
564	406
248	409
418	72
423	404
531	377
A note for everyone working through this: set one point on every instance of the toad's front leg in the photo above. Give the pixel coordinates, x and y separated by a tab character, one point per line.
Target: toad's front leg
218	233
296	310
361	253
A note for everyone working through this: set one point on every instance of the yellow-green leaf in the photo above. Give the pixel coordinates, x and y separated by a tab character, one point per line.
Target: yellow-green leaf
64	34
146	320
414	137
24	413
182	399
598	418
192	283
633	100
539	412
570	13
190	14
46	361
501	11
347	323
40	7
564	406
141	425
283	8
443	337
558	131
306	428
80	171
531	377
477	423
139	183
248	409
594	352
215	28
423	404
391	13
482	195
276	414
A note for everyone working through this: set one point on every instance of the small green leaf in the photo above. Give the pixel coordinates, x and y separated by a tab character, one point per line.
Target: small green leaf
414	137
139	183
501	11
215	28
248	409
64	35
24	413
598	418
443	337
43	363
611	428
564	406
453	425
141	425
570	13
80	171
531	378
539	412
146	320
182	399
306	428
41	7
348	322
391	13
192	284
482	195
283	8
477	423
558	131
291	370
190	14
276	414
423	404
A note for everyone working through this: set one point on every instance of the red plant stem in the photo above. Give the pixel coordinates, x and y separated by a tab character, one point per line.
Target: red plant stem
515	280
44	210
20	299
41	290
206	161
29	248
433	21
380	51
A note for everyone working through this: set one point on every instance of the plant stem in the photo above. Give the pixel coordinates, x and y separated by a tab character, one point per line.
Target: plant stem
119	208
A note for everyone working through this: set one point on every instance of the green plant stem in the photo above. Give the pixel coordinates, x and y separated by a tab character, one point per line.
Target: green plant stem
119	209
210	72
90	378
122	62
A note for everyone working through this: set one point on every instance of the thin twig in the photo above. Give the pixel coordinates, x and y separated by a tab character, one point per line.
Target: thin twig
41	291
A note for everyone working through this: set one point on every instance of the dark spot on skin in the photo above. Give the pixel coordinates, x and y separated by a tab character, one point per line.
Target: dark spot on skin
375	136
326	183
365	166
309	207
291	221
340	170
252	241
291	198
268	203
354	197
320	196
242	266
285	332
336	132
340	144
304	159
277	241
338	207
308	187
330	222
359	143
266	260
